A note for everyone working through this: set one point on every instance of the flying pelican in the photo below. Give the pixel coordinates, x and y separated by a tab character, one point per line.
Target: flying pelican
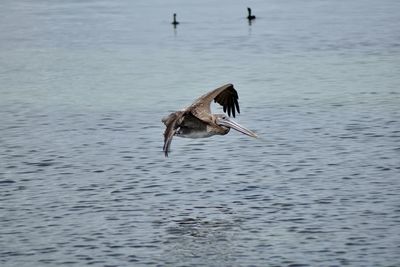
174	22
197	121
250	16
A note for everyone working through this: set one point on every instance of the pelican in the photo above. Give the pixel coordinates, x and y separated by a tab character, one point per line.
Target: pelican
174	22
197	121
250	16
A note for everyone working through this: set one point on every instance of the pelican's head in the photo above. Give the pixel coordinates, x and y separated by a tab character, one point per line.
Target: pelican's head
225	122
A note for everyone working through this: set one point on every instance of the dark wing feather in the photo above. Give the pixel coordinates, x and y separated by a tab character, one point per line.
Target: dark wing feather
172	122
228	99
225	95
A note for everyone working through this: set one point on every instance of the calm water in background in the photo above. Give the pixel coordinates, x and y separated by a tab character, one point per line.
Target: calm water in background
83	179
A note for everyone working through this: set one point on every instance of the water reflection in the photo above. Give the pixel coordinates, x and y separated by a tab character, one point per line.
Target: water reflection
201	240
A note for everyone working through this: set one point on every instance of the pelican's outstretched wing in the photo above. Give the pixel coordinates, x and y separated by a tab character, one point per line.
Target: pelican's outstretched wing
225	95
172	122
182	122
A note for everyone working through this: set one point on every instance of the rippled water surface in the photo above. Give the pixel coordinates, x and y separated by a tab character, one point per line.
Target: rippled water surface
83	179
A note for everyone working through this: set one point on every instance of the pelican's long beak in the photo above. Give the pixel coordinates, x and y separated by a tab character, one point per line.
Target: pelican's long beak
234	125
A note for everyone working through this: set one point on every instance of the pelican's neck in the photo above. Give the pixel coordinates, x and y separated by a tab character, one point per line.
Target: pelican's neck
174	18
249	10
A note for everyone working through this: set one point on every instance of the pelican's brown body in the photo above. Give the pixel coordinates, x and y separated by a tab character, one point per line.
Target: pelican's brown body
197	121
